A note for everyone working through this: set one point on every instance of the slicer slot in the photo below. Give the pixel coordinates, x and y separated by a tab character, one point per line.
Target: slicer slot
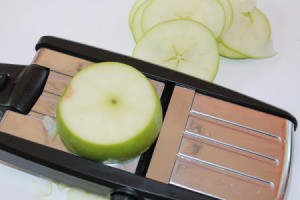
265	134
253	179
57	83
235	137
240	115
30	127
217	182
60	62
225	157
252	154
46	104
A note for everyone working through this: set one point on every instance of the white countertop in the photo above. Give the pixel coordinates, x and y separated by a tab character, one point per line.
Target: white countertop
104	24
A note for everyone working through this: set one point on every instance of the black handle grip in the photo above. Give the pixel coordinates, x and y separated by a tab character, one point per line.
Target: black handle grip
25	85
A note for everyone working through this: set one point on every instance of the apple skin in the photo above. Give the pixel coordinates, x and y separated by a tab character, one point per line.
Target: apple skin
118	152
227	52
111	153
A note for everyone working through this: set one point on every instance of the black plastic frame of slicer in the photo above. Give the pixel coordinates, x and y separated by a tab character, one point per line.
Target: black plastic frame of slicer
87	174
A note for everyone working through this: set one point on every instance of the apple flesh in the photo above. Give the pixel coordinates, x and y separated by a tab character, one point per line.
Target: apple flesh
109	112
182	45
250	32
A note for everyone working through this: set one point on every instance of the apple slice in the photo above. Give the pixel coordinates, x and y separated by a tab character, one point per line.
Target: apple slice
136	27
227	52
250	31
207	12
133	10
182	45
109	112
228	13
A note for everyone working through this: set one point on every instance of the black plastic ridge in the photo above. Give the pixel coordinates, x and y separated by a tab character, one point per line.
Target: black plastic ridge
89	171
161	74
143	163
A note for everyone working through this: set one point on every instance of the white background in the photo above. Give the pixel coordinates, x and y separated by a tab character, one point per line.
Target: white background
104	24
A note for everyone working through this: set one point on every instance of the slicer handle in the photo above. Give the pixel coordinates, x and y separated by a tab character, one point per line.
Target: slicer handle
28	88
21	86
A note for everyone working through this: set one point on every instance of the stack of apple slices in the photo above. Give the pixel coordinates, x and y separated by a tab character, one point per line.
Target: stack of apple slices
189	35
249	33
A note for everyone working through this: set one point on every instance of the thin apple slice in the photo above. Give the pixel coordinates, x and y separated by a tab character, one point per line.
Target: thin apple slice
133	10
208	12
182	45
250	31
110	112
228	13
136	27
266	51
229	53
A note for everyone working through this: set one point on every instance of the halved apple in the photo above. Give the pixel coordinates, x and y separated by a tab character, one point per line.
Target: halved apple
109	112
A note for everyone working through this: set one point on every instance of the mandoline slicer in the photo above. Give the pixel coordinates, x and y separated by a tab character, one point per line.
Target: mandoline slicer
214	143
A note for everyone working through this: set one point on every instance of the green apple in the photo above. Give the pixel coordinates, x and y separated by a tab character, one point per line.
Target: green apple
110	112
